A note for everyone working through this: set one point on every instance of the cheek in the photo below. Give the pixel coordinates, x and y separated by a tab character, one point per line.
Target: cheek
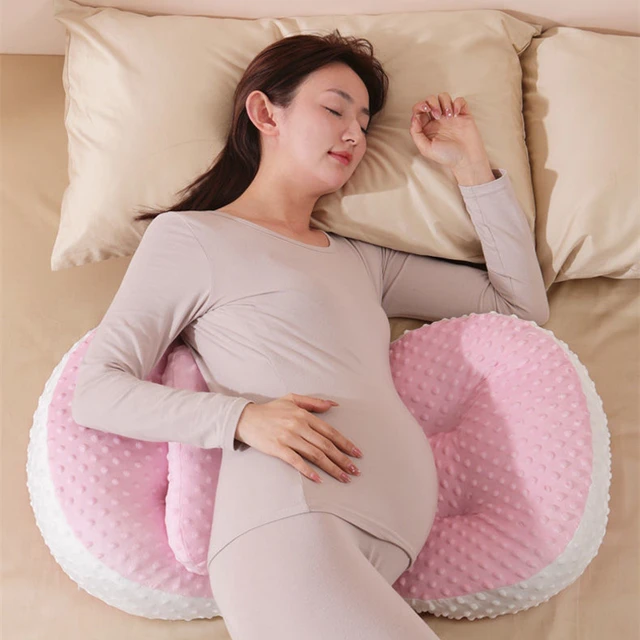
313	137
358	159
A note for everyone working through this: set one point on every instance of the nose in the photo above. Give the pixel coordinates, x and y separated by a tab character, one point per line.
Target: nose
354	133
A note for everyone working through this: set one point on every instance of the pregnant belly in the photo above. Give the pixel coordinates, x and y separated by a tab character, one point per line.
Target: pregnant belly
398	482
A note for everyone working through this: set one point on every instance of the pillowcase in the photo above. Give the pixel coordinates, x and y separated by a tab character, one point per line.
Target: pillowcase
581	106
148	106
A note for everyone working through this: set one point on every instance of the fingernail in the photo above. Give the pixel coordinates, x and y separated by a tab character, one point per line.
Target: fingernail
335	404
357	452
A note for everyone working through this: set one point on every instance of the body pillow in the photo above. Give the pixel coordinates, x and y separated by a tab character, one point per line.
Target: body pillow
519	437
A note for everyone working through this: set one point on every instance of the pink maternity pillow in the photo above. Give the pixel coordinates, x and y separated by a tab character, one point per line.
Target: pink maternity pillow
520	441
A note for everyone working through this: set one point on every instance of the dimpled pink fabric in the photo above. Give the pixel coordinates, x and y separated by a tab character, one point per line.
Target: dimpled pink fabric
499	400
112	492
509	425
193	476
506	416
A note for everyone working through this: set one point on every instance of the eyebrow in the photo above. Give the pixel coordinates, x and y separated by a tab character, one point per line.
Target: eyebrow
349	99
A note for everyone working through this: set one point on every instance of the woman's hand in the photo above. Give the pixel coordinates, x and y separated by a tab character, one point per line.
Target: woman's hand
445	132
285	427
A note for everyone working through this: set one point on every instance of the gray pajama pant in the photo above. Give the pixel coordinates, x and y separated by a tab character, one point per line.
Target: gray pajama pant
313	576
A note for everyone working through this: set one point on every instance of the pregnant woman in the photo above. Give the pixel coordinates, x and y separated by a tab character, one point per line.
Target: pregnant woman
289	327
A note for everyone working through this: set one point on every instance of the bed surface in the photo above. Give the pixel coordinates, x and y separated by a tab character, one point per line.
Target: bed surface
44	313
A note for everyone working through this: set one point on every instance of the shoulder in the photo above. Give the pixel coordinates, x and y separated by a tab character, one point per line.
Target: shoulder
172	232
186	224
367	250
198	232
197	221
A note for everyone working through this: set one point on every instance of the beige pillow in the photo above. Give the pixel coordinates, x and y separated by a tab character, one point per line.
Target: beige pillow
582	115
148	105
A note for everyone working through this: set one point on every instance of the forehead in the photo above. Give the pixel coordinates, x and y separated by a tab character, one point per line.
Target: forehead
339	79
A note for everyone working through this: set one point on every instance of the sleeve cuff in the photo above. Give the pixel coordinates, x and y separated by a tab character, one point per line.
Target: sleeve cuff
502	177
231	424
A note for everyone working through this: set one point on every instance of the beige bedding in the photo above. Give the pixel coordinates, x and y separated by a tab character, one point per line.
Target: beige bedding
44	313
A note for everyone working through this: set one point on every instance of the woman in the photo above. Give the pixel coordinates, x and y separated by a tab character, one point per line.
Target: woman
286	322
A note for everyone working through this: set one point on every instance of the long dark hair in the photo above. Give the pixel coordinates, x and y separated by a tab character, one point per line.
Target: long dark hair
277	71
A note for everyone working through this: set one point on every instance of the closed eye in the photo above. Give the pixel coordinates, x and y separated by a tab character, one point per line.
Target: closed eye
365	131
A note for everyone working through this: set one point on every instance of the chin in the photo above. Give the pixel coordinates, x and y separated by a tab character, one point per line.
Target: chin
335	188
331	186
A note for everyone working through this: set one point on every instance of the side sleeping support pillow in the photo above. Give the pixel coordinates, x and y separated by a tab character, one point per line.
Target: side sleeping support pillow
520	441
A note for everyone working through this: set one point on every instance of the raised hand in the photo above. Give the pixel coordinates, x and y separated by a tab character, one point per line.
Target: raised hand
445	131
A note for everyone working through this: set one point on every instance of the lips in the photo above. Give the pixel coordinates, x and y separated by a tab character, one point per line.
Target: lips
345	158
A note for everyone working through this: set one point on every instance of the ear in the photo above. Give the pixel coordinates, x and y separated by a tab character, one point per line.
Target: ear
262	112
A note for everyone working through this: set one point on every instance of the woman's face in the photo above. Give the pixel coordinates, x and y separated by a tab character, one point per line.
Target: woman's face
329	114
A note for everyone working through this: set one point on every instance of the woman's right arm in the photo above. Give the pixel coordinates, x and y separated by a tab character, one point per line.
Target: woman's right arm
166	287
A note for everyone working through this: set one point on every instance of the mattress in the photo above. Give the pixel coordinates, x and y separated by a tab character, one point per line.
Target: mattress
44	313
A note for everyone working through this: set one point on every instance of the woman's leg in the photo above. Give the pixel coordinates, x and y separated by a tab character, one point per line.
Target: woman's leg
313	576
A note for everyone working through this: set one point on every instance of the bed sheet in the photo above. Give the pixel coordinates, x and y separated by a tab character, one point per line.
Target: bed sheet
44	313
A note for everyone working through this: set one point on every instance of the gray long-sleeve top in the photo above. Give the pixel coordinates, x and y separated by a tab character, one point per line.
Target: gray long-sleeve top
266	315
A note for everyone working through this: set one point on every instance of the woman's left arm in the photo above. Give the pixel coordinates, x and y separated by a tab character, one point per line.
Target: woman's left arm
429	288
414	286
